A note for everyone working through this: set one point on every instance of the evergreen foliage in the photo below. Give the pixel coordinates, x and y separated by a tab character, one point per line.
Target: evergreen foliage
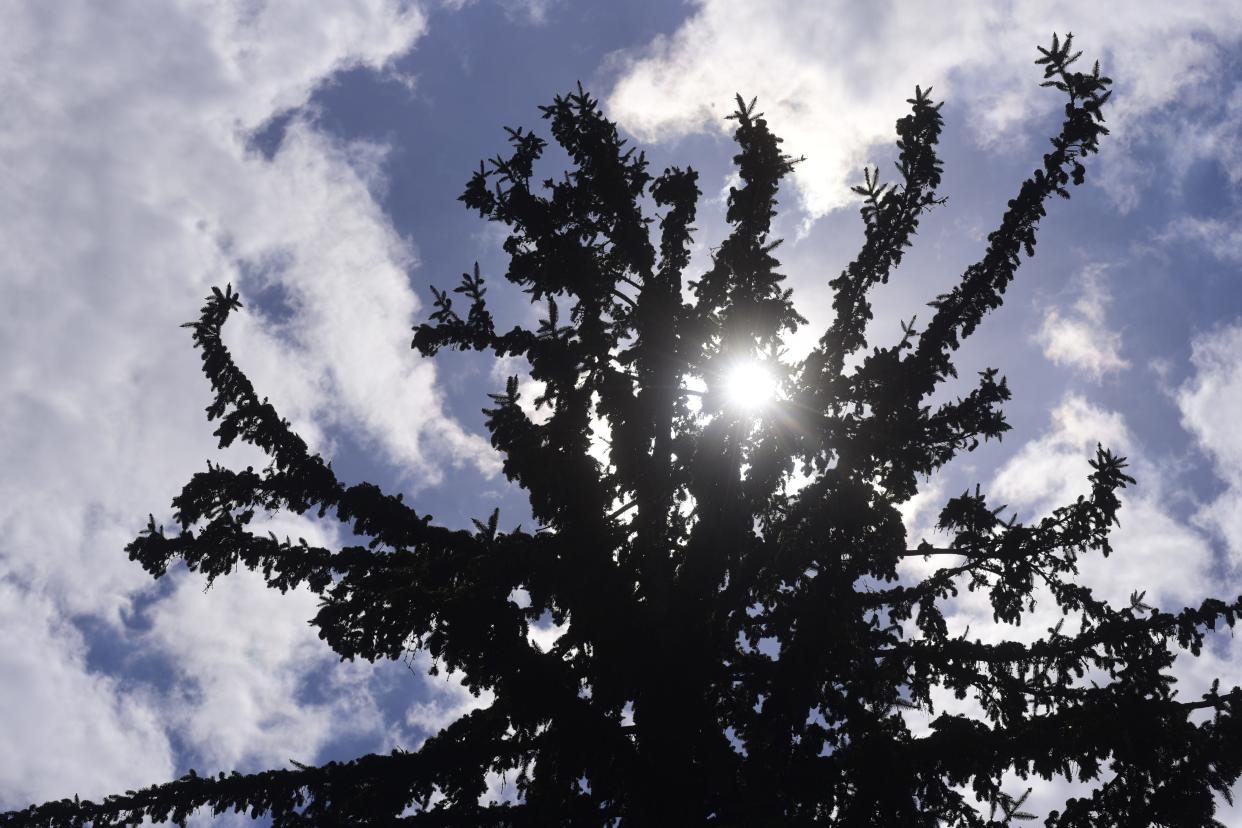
740	649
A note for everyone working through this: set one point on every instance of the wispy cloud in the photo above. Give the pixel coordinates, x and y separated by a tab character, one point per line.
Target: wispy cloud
1220	237
1078	336
1209	402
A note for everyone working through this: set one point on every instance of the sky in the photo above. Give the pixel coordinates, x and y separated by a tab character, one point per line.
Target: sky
311	155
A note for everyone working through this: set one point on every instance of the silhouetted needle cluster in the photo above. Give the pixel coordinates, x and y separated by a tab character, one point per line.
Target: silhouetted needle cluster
739	650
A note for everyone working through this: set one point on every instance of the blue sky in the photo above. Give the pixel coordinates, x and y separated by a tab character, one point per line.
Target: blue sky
312	156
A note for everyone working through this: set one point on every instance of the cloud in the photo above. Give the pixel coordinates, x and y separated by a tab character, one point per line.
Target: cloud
832	77
445	699
133	191
533	12
920	512
131	188
1222	238
64	729
530	12
242	655
1203	166
1209	402
1155	552
343	357
1051	471
1079	337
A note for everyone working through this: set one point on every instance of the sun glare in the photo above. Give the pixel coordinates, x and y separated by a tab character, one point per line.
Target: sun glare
749	386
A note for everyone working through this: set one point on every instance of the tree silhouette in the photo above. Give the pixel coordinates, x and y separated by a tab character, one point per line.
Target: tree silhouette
740	647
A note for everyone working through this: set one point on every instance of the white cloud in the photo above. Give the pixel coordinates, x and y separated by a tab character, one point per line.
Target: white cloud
445	699
529	389
1080	337
133	191
1153	550
1211	130
130	190
349	360
534	12
241	653
66	730
832	77
1222	238
1209	402
920	513
531	12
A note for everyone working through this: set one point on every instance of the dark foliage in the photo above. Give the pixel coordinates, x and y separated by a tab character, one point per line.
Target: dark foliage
757	631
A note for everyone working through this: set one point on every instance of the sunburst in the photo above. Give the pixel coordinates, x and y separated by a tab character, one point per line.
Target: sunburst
749	386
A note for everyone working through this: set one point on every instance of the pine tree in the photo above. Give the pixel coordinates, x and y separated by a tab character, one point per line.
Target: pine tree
740	648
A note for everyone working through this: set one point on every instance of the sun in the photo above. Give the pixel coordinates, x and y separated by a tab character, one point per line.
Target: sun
749	386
